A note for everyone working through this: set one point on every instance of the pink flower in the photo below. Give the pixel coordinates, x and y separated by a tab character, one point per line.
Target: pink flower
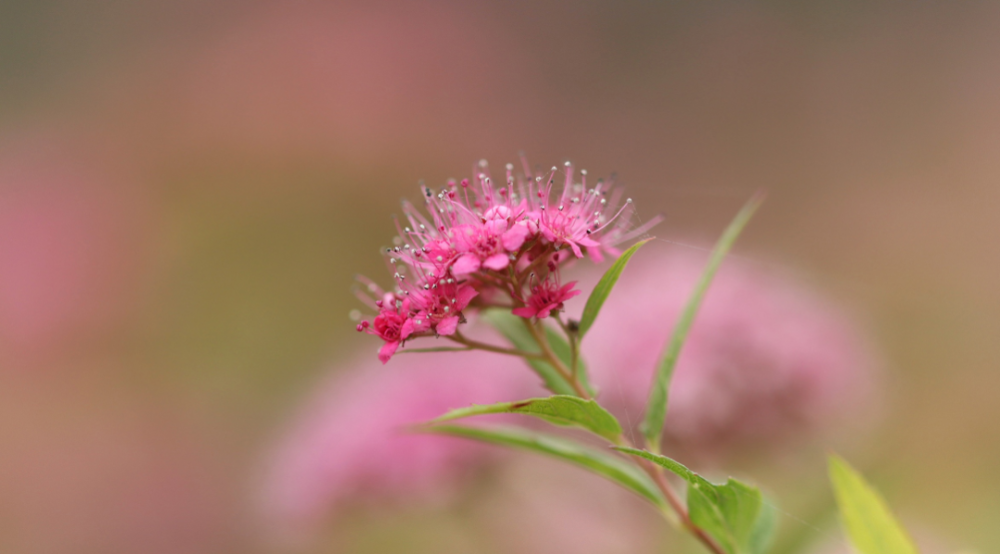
350	442
547	296
538	506
584	218
439	304
73	247
765	359
480	240
488	245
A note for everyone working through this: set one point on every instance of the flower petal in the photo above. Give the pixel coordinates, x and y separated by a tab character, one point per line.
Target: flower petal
448	325
514	238
526	311
406	330
464	296
387	350
465	264
497	261
595	254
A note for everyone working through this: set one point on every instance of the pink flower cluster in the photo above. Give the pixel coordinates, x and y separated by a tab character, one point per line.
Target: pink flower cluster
351	440
767	359
486	244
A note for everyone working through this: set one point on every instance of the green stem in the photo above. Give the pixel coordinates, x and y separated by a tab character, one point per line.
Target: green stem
549	356
434	349
476	345
574	347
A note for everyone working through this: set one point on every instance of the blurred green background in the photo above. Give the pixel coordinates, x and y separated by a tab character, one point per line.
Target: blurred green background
223	169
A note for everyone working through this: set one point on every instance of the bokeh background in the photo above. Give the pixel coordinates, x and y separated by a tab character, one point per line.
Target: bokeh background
188	188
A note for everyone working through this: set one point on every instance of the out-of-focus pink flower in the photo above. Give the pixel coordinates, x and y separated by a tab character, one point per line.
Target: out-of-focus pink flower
88	469
351	439
70	246
765	357
543	505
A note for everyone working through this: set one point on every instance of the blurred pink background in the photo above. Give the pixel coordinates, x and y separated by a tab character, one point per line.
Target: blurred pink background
188	188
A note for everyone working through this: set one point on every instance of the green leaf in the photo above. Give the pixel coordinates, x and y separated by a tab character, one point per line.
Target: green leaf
763	531
604	286
513	329
606	465
560	410
656	410
731	513
865	515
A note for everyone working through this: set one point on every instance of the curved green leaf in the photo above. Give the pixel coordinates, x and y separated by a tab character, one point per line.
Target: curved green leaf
865	515
606	465
560	410
731	513
604	286
656	410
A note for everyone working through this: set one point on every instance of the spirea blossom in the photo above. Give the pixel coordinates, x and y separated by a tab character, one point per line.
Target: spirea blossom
351	439
480	244
766	358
